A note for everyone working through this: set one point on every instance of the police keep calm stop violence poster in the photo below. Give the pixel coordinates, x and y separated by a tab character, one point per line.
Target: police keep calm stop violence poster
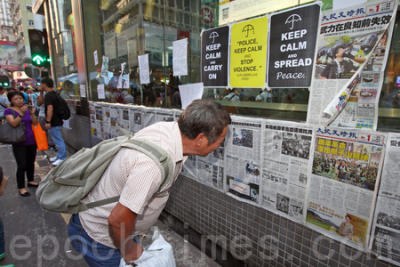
292	45
249	53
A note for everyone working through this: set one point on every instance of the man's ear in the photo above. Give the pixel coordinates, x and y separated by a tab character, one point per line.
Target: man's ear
200	140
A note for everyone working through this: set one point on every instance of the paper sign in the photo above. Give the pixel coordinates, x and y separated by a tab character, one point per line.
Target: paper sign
66	124
119	85
104	67
249	53
96	59
66	60
179	59
291	57
190	92
126	82
214	57
82	88
100	91
144	72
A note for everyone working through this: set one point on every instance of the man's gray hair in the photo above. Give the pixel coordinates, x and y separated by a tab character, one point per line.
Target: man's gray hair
204	116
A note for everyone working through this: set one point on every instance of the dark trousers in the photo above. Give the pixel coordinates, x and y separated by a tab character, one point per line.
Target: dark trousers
25	157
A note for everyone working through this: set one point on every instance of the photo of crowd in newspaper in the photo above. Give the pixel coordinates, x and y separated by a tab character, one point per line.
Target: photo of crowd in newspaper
286	160
346	167
347	162
243	156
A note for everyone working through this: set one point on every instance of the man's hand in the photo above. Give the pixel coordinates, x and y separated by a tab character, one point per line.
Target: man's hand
47	126
121	224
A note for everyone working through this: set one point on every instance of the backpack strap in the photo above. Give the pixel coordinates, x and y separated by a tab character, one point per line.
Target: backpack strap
156	153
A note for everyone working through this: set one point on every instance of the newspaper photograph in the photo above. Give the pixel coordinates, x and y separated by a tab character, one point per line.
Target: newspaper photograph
346	168
135	119
385	239
350	39
243	159
286	161
124	117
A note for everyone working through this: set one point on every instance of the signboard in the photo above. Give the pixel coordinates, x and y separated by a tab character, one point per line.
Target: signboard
292	44
214	57
248	53
236	10
8	55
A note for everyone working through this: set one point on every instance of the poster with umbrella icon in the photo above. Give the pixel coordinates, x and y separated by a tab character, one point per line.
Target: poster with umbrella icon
292	43
248	55
214	57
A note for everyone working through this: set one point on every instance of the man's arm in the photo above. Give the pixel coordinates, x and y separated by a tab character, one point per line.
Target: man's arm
40	99
121	224
49	115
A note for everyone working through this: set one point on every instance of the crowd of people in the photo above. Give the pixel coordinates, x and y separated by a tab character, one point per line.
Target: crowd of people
362	175
154	94
275	95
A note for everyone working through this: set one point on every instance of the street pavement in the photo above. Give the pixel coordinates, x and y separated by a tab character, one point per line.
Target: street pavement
34	237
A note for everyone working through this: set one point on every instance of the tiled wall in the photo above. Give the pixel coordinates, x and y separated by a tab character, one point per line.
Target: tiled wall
211	212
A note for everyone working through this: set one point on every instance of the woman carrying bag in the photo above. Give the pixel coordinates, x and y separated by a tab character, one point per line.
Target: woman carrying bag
24	152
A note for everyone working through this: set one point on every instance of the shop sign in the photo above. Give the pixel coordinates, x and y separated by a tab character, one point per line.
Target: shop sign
292	44
249	53
214	57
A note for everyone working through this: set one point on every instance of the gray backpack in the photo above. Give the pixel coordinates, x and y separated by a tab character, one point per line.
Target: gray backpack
66	185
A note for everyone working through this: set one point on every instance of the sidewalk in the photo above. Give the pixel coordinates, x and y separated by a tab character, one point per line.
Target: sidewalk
41	237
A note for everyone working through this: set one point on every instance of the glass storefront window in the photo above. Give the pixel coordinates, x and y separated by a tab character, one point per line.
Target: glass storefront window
389	104
64	55
124	30
127	29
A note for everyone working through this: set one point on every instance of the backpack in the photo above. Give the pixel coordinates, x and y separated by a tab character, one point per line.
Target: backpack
66	185
63	110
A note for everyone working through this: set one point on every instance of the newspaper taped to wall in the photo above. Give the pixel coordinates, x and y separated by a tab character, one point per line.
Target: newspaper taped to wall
114	121
385	237
123	121
210	169
92	114
98	130
243	159
344	180
361	100
135	119
285	171
350	39
164	115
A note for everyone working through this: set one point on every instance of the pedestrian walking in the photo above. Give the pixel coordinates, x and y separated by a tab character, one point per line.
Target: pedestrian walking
25	152
53	121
